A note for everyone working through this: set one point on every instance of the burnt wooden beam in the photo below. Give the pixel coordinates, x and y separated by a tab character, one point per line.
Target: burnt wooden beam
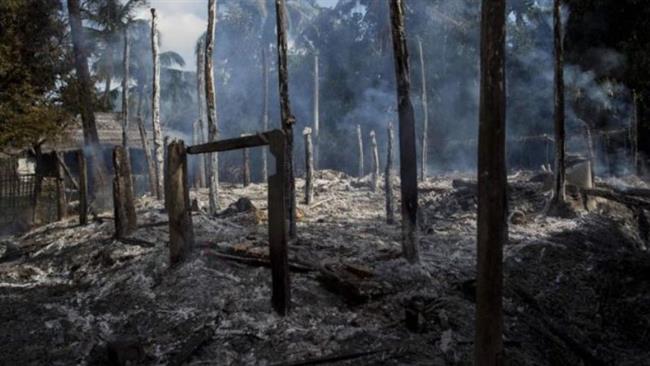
230	144
83	188
123	205
177	198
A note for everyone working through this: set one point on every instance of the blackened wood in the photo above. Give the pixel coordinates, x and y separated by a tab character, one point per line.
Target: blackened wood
181	234
230	144
425	114
288	120
246	166
211	103
375	162
66	170
60	189
492	191
388	185
125	92
559	187
155	108
309	167
123	205
408	155
278	225
361	170
265	106
83	188
316	111
200	92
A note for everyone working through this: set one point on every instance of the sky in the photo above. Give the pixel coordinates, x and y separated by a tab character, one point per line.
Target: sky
181	22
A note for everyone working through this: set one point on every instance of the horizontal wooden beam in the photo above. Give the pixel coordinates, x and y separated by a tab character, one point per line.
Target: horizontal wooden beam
259	139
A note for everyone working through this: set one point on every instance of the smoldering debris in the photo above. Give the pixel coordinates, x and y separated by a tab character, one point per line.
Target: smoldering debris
74	295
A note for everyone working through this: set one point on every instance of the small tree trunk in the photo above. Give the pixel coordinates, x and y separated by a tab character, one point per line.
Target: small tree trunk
62	205
375	162
200	101
316	110
360	149
123	205
559	188
246	165
590	151
83	188
181	234
309	167
125	94
492	229
408	155
155	108
147	157
265	108
213	135
288	120
390	215
38	184
425	115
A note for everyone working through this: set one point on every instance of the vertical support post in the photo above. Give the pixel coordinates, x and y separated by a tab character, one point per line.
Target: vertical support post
123	206
181	234
309	167
155	107
60	189
278	225
360	146
316	110
83	188
246	165
390	214
375	162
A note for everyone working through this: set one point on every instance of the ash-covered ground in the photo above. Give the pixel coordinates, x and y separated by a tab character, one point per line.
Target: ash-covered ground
577	291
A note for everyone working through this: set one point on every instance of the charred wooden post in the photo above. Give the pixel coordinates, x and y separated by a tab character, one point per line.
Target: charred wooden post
390	215
151	170
123	205
375	162
200	92
408	155
211	103
309	167
278	230
288	120
246	166
265	107
83	188
492	226
155	107
125	92
425	114
181	234
316	110
360	149
558	201
62	204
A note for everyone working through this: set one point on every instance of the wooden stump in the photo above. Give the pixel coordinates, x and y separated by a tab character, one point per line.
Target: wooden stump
278	225
375	162
83	188
123	205
181	234
309	167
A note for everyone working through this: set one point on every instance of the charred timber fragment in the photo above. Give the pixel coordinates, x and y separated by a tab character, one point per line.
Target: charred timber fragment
375	162
83	188
181	235
211	106
288	120
123	205
309	167
492	229
360	149
558	201
425	114
408	156
390	215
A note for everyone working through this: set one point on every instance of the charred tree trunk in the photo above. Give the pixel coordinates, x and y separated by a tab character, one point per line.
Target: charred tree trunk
634	127
643	132
492	228
62	204
309	167
181	235
38	184
590	151
360	149
425	115
375	162
265	107
559	187
83	75
155	107
125	94
390	215
147	157
408	155
123	205
316	110
288	120
246	165
200	100
83	188
211	103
